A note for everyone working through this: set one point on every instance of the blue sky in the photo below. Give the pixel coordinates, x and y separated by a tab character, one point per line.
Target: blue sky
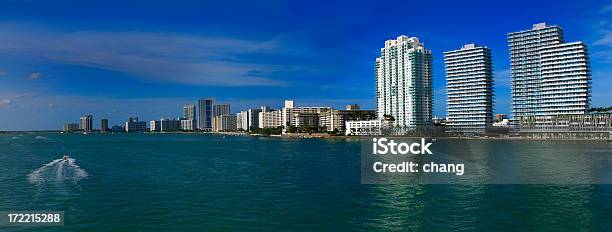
60	60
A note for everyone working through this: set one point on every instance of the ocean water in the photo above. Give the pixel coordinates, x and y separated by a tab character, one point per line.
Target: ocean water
196	182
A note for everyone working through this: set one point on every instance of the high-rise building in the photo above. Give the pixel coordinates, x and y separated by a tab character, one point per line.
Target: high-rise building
224	123
155	126
270	118
404	82
549	76
223	109
86	123
253	117
104	125
205	113
70	127
469	86
242	120
189	112
169	125
135	125
188	125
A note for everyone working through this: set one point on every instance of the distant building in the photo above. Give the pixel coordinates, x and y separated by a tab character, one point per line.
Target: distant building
134	125
438	122
253	118
169	125
86	123
500	117
188	125
289	103
352	107
242	120
71	127
155	126
117	129
270	118
290	111
189	112
224	123
305	119
335	120
404	82
502	123
104	125
205	114
364	127
223	109
469	78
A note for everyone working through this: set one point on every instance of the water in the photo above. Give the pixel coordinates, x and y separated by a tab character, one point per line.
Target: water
182	182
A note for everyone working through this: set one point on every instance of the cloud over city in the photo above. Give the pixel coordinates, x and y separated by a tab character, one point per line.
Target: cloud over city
155	57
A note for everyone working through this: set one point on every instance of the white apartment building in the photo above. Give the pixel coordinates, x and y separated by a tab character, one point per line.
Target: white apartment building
566	79
270	119
290	111
154	126
188	125
86	123
469	85
242	120
404	82
335	120
549	77
364	127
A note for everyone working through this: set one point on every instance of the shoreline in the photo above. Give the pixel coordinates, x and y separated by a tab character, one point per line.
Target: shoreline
315	135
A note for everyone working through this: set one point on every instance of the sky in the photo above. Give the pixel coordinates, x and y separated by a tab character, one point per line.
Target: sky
60	60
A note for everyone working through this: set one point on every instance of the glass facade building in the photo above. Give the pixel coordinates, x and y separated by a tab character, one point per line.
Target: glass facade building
205	114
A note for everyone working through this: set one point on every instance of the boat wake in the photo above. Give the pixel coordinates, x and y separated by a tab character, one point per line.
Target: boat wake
58	170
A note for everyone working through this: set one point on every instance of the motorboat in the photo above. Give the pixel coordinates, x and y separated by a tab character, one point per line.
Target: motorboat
66	157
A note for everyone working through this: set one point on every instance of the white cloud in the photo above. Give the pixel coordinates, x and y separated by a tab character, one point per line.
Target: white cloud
34	76
156	57
606	8
5	102
605	40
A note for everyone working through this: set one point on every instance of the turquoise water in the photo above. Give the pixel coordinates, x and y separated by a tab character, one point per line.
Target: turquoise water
187	182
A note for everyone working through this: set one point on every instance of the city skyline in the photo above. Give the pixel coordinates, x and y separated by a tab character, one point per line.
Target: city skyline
43	84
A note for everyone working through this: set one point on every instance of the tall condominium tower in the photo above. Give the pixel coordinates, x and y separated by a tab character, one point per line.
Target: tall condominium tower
223	109
469	85
549	77
205	113
404	82
86	123
189	112
104	125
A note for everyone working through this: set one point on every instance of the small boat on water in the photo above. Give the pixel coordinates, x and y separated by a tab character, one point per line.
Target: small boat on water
66	157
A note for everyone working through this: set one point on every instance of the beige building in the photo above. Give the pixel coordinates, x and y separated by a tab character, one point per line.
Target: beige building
270	119
224	123
335	120
290	111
